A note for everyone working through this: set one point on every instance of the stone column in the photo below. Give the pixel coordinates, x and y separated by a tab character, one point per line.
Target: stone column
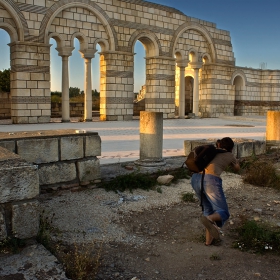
116	89
151	139
160	85
196	66
65	52
273	129
182	65
88	55
30	82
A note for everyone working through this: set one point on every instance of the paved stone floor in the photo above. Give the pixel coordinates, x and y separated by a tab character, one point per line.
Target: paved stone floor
120	140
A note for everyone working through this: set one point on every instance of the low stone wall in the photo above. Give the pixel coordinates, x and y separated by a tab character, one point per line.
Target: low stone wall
242	148
65	158
19	188
76	109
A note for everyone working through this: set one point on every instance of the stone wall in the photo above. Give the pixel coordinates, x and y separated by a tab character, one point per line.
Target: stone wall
65	158
242	147
171	40
5	105
76	110
19	188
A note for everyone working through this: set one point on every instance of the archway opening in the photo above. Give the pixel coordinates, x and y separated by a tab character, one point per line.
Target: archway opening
188	95
5	92
139	78
238	91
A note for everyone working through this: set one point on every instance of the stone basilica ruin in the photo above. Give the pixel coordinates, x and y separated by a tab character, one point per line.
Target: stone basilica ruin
190	64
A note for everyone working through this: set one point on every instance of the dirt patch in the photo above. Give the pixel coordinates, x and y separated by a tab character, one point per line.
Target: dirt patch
172	244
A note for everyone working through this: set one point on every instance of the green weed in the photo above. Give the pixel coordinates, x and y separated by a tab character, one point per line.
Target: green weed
12	244
188	197
258	238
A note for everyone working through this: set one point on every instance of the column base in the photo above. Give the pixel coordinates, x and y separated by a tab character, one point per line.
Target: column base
150	162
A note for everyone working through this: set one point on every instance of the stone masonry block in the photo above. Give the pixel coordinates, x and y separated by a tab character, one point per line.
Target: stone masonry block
3	231
89	170
19	180
25	219
57	173
9	145
245	149
93	146
71	148
259	147
38	150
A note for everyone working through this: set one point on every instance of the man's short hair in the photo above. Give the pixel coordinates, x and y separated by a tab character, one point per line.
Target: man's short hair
227	144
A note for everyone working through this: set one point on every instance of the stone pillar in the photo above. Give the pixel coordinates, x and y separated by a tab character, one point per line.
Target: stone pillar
196	66
160	85
30	82
116	89
65	52
273	129
88	55
182	65
151	139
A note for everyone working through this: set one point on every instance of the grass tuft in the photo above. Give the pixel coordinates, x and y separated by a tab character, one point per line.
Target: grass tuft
188	197
261	173
258	238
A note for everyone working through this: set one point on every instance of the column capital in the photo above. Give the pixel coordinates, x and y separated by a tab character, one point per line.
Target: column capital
196	65
65	51
87	53
182	63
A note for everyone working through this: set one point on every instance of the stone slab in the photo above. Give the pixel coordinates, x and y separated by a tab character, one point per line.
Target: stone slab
38	150
71	148
89	170
3	231
18	181
57	173
92	146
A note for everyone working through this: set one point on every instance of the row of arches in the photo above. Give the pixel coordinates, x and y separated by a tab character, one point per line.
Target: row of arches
163	58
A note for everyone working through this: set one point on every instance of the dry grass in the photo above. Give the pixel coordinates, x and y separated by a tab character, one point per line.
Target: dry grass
262	173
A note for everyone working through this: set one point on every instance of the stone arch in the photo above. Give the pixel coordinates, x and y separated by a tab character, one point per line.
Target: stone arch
206	58
59	6
239	73
18	17
82	39
11	31
194	53
103	43
58	38
179	55
148	39
199	28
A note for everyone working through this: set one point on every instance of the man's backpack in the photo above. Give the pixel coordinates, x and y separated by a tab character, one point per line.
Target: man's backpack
204	155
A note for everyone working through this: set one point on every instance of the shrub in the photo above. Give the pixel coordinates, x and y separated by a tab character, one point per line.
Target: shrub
262	174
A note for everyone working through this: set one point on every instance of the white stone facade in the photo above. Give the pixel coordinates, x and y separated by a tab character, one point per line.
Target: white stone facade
177	46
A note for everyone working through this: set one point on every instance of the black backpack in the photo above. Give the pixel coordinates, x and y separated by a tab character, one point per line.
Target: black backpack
204	155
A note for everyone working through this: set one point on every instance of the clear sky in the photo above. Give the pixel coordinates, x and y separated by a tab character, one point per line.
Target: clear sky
254	27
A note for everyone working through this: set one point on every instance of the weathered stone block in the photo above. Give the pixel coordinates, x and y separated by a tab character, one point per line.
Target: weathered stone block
259	147
3	231
245	149
57	173
19	180
9	145
93	146
25	219
89	170
71	148
38	150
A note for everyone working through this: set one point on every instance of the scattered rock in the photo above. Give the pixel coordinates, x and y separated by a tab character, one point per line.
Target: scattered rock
165	179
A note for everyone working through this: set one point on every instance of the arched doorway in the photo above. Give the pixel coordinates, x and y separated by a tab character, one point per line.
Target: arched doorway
188	95
238	93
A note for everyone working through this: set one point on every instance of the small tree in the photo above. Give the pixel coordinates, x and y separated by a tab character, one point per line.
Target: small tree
5	80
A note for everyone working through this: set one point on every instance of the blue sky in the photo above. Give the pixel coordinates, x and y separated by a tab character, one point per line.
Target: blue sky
254	26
